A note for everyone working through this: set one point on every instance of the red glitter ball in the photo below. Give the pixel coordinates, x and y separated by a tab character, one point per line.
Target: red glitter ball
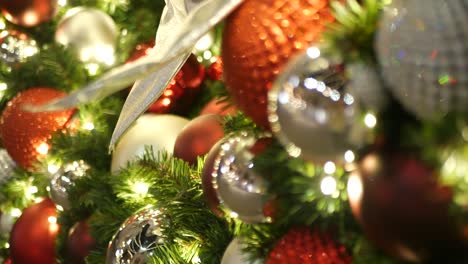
305	246
259	38
25	134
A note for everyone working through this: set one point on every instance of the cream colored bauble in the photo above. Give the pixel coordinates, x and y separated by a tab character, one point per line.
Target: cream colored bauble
234	254
157	131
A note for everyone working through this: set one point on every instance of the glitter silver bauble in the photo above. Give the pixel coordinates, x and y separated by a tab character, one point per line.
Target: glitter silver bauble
139	235
63	179
90	32
7	165
240	190
16	47
310	111
421	47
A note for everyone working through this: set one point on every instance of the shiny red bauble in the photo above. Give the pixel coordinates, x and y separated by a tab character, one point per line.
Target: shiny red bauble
28	13
216	106
32	239
25	134
198	137
403	208
259	38
80	242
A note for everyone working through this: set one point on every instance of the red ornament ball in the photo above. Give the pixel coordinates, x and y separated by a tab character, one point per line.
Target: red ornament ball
403	209
215	70
32	239
304	246
197	137
25	134
259	38
28	13
179	95
216	106
80	242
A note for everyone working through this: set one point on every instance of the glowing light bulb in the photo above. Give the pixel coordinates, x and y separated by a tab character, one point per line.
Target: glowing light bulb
43	148
328	185
140	188
370	120
349	156
329	167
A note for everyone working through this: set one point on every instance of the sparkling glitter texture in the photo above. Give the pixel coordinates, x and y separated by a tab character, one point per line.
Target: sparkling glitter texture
303	246
259	38
16	47
310	111
421	46
25	134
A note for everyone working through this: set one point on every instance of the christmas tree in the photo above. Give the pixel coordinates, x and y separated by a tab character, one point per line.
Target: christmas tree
255	131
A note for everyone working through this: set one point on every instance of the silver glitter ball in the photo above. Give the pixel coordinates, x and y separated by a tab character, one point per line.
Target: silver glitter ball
240	190
63	179
90	32
310	111
7	165
421	47
16	47
139	235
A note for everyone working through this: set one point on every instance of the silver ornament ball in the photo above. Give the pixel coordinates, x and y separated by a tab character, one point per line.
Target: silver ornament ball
310	111
421	47
90	32
240	190
16	47
137	237
7	165
63	179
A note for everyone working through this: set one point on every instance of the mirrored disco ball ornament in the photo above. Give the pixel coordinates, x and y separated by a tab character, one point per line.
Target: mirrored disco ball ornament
240	190
310	111
65	178
138	237
421	47
16	47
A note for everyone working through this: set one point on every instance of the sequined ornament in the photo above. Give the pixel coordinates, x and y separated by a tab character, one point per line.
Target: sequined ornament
32	240
304	246
239	189
421	47
63	180
25	134
310	111
90	32
28	13
142	135
16	47
138	237
180	94
404	209
259	38
7	165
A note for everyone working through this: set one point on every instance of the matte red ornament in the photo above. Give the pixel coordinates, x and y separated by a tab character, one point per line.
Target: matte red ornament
179	95
216	106
403	209
304	246
198	137
28	13
215	70
259	38
32	239
25	134
79	242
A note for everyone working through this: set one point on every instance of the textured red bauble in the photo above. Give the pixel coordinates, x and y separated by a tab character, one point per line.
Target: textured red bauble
259	38
32	239
179	95
25	134
198	137
80	242
403	209
28	13
304	246
215	70
216	106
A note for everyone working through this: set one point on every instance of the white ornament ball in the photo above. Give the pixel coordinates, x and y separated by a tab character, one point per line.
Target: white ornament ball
235	255
91	32
149	130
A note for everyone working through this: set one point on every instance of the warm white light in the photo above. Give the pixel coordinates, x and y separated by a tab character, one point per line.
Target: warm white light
3	86
53	226
92	68
140	188
88	126
349	156
43	148
29	51
52	219
6	245
329	167
31	190
370	120
233	215
313	52
62	2
328	185
207	55
205	42
2	24
15	212
52	168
